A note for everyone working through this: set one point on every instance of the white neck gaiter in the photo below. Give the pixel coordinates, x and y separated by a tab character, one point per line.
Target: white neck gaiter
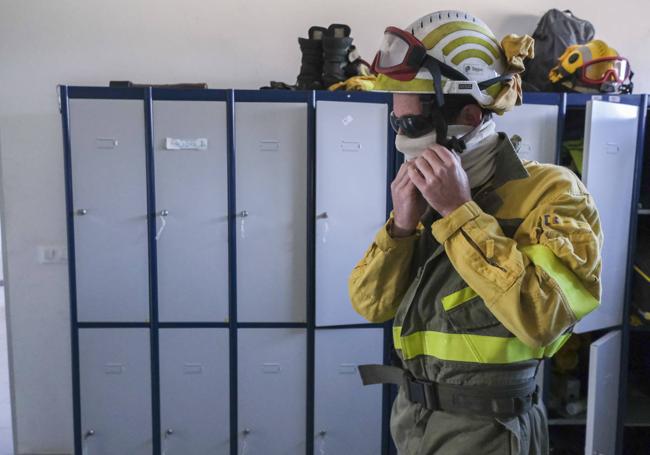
478	159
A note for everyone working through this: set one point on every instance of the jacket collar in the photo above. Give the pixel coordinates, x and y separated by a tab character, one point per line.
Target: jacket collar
508	167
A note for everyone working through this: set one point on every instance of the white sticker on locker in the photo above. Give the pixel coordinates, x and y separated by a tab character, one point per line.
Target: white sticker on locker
272	368
114	368
269	146
347	368
350	146
193	368
200	143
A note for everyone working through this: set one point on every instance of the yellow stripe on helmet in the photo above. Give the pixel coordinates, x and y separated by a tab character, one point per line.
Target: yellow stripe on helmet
463	40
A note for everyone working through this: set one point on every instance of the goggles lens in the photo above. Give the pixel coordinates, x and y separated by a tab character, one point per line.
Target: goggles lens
415	125
601	70
393	51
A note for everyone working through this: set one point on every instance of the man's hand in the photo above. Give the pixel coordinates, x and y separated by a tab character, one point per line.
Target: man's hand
438	175
408	203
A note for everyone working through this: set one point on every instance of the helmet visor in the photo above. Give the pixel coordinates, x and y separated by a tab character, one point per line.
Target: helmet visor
400	55
605	69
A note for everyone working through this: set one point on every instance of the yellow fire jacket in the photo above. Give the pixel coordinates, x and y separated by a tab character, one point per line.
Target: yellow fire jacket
528	249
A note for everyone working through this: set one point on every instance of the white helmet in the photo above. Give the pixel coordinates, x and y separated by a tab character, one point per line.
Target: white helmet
446	52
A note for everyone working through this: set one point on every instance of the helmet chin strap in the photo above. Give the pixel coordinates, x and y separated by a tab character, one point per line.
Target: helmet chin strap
456	144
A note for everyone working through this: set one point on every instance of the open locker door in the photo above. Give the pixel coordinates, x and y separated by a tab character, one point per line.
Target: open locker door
536	124
608	172
602	401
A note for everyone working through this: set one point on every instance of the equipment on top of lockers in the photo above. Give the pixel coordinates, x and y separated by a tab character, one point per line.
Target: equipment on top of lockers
311	64
340	58
190	85
592	68
555	31
328	58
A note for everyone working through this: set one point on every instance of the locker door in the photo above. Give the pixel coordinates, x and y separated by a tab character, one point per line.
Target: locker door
115	391
350	198
192	202
348	415
272	391
602	401
110	206
194	391
536	124
608	173
271	161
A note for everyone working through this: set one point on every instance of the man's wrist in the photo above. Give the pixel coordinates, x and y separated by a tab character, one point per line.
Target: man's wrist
396	231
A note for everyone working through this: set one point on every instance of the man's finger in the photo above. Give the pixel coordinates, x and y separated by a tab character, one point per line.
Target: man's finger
416	178
425	168
444	154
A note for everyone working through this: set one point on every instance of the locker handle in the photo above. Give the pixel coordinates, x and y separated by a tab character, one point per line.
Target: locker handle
82	212
89	433
168	432
322	216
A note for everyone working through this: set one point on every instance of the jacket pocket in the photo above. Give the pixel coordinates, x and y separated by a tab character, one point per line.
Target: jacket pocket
466	311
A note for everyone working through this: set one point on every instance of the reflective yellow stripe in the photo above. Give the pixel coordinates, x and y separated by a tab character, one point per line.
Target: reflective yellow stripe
579	299
471	53
470	348
453	300
640	272
453	44
447	29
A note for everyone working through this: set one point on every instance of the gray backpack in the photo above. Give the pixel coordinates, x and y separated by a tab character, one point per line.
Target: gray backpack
555	31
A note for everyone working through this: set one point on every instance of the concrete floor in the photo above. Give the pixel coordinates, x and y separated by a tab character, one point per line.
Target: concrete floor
6	444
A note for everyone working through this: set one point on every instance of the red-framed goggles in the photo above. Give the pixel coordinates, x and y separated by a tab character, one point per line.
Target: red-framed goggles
605	69
400	55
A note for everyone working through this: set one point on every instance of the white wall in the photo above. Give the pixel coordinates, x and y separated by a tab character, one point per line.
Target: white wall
227	44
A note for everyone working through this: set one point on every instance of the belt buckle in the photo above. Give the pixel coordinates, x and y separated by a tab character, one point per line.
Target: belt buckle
422	392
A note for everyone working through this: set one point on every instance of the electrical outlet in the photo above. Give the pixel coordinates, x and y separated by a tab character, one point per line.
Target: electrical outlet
52	255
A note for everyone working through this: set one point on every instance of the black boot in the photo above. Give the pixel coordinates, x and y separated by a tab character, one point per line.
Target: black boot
311	66
336	45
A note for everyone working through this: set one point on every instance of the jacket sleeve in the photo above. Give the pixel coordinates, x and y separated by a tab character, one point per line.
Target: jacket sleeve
539	284
380	279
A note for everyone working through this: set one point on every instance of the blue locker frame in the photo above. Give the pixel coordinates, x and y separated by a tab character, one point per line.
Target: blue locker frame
564	101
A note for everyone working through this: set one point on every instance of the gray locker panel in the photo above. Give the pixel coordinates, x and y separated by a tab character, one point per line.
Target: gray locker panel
109	183
602	401
608	172
194	391
536	124
115	391
348	416
351	147
271	162
190	146
272	391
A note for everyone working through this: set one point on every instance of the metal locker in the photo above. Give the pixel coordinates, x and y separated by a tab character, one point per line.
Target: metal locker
608	172
190	156
351	173
194	391
536	124
272	391
115	391
107	139
602	401
271	181
348	416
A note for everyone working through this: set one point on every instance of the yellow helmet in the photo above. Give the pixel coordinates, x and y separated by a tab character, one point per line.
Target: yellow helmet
592	67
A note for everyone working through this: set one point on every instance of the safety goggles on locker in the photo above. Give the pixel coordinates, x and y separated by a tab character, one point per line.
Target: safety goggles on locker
412	125
605	69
